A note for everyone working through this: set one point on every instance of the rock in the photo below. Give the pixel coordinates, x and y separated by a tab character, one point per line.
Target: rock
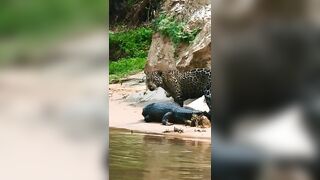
200	130
198	53
166	131
179	130
161	51
148	97
164	55
198	104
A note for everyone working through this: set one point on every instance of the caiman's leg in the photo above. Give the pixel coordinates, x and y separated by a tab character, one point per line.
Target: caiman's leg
165	119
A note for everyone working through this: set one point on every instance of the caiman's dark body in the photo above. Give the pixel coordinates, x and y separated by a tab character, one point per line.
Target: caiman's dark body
163	112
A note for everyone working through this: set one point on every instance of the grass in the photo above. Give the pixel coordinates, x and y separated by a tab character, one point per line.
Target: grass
130	44
124	67
128	52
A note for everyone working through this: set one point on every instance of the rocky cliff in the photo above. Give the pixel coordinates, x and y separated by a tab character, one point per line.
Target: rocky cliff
165	54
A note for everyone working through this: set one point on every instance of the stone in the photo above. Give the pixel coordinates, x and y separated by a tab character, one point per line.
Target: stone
164	55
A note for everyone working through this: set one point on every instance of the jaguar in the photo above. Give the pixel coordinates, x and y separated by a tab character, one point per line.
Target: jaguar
182	85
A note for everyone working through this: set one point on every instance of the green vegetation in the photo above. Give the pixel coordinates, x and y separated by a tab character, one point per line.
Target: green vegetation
174	29
130	44
129	49
124	67
128	52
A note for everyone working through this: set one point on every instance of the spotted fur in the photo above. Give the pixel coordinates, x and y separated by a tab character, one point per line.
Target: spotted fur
182	85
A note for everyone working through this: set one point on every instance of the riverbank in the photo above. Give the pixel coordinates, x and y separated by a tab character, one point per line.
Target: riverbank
126	101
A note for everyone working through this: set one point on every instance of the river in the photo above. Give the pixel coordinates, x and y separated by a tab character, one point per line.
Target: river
137	156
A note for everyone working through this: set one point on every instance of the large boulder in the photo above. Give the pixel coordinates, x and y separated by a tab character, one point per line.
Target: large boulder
164	54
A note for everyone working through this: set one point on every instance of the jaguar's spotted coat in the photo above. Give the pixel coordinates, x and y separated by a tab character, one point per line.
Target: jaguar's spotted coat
182	85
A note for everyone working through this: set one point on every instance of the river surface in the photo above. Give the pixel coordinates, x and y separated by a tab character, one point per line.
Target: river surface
136	156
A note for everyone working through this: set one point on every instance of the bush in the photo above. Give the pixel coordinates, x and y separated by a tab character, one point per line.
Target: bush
174	29
130	44
124	67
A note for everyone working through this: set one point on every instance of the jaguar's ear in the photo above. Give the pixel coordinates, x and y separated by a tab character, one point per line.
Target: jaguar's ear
147	68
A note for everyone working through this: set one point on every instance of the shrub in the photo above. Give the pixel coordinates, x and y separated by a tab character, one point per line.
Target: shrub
130	44
174	29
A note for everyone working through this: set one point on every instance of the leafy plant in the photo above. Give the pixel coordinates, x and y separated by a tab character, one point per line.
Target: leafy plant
128	52
130	44
174	29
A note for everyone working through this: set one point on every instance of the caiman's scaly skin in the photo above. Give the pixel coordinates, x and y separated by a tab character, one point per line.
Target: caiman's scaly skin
163	112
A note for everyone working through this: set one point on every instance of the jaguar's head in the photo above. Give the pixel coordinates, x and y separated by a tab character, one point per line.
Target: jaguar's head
153	80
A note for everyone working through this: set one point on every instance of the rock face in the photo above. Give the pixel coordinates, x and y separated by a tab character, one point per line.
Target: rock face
161	51
163	54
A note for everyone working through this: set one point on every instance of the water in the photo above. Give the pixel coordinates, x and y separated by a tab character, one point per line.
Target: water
149	157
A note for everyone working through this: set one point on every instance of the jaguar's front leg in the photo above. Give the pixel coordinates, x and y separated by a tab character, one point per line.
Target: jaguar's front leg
179	101
178	97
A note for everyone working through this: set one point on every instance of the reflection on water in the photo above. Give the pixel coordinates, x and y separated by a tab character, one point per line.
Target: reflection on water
145	157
